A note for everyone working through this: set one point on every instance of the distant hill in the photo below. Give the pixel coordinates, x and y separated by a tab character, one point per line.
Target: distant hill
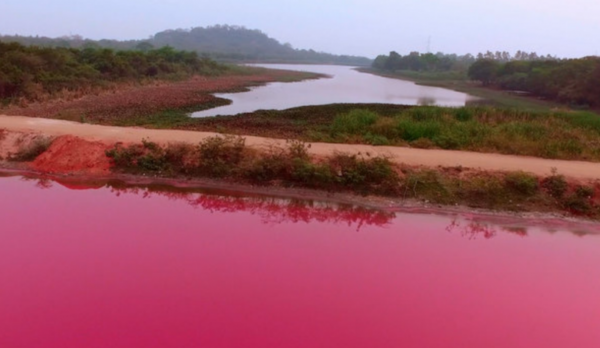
221	42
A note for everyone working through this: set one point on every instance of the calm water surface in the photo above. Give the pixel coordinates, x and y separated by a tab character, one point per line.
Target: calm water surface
127	267
346	85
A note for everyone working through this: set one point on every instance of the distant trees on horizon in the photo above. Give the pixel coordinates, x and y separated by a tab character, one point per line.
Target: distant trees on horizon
222	42
440	62
572	81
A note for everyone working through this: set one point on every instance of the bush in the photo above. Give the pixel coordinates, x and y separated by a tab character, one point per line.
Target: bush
584	192
365	175
148	157
578	205
31	151
522	183
220	156
555	185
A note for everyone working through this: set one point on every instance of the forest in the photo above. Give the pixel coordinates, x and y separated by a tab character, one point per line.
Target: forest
221	42
570	81
30	71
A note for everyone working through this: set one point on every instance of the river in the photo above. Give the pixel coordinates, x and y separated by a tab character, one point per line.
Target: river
344	85
97	265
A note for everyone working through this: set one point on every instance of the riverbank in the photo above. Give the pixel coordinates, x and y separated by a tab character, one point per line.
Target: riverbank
487	96
125	102
349	172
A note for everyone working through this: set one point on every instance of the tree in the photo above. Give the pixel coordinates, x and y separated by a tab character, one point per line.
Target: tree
484	70
144	46
380	62
393	62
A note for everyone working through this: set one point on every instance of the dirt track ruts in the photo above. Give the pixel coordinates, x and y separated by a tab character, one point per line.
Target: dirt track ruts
410	156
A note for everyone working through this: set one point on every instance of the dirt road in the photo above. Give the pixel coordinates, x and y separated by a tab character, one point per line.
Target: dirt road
410	156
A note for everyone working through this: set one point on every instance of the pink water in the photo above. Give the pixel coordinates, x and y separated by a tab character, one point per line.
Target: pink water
107	268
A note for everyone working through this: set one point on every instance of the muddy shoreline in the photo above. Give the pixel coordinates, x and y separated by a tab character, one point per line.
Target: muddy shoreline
85	160
127	101
499	218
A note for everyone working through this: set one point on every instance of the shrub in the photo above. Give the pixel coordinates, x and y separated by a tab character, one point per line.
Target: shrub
522	183
312	175
584	192
31	151
219	156
148	157
125	157
555	185
578	205
374	175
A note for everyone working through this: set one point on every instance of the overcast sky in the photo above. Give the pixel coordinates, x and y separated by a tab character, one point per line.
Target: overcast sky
360	27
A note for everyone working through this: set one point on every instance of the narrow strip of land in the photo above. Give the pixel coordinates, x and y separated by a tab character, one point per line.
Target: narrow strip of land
409	156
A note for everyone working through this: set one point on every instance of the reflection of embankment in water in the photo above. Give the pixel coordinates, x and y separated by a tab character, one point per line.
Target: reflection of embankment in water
276	210
271	210
473	226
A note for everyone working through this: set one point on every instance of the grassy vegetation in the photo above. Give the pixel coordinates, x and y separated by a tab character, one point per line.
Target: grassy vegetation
564	135
228	158
550	134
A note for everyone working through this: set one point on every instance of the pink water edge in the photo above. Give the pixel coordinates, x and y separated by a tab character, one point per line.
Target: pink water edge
126	268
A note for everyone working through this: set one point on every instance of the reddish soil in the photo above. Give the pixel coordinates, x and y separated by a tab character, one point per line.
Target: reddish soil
72	155
127	101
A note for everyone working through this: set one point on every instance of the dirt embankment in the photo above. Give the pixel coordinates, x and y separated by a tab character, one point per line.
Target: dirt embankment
73	155
108	135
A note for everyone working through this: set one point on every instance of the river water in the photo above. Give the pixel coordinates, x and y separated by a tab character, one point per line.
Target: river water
91	265
345	85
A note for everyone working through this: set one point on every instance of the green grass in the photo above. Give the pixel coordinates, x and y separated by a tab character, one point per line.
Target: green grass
560	135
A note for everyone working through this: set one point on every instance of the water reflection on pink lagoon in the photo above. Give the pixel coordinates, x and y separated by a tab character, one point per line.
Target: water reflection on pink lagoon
116	267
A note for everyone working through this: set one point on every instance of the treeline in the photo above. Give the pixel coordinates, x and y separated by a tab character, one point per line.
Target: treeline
440	62
31	71
571	81
575	82
429	62
221	42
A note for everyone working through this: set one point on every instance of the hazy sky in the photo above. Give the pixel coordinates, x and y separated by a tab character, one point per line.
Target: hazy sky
361	27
